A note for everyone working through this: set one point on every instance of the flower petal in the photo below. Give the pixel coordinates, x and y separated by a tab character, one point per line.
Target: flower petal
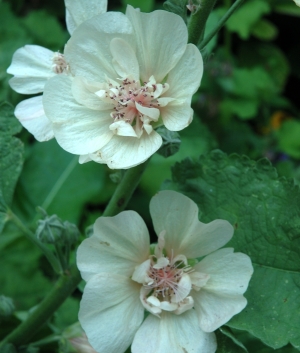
184	79
118	244
178	216
124	59
125	152
173	333
78	130
32	67
110	312
88	50
84	92
221	297
157	57
31	115
78	11
177	115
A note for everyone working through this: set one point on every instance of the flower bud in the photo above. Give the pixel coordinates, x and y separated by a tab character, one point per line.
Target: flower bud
71	233
50	229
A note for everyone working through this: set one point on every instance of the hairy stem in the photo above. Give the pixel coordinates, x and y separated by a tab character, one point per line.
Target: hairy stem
198	20
220	24
68	281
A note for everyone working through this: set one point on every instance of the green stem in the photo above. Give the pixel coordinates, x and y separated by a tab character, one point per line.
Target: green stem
198	20
31	236
59	293
68	282
125	190
220	24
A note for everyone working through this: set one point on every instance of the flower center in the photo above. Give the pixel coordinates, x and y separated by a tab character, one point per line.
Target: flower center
59	64
135	106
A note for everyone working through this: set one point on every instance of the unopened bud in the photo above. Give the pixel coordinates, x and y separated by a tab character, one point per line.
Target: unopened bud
71	234
50	229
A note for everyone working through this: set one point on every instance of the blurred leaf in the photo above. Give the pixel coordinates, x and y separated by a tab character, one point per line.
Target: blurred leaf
264	30
67	314
264	211
49	33
287	8
245	18
243	108
288	138
144	6
53	179
178	7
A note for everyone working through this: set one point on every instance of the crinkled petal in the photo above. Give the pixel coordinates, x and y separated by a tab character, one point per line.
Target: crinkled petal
78	11
177	115
173	333
31	115
88	50
110	312
78	129
221	297
161	39
125	152
124	59
184	79
122	128
84	93
178	216
118	245
32	67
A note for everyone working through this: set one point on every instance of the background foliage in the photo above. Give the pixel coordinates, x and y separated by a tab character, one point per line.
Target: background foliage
247	107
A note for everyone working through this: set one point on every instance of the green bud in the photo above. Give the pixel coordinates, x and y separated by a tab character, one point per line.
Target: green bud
50	229
6	306
171	142
71	233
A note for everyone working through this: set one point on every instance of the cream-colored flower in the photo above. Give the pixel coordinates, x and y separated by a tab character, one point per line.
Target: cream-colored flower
186	300
33	65
132	73
297	2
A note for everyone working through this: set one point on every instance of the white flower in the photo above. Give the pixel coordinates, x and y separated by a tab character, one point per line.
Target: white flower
297	2
33	65
186	299
131	73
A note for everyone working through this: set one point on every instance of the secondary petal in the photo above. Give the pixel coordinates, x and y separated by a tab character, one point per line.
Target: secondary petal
185	234
161	39
173	333
78	11
110	312
177	115
78	129
32	67
118	244
126	152
31	115
88	50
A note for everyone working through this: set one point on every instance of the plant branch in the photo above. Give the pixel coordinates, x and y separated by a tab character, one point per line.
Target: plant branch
69	281
220	24
59	293
198	20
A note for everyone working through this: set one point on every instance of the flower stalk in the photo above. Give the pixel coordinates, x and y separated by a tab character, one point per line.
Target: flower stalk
220	24
198	20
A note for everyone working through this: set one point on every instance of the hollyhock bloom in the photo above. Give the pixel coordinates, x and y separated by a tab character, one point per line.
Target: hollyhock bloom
33	65
186	299
297	2
132	73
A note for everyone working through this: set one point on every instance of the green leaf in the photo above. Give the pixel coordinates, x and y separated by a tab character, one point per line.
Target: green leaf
287	8
264	30
288	138
54	180
246	17
227	343
264	211
243	108
178	7
11	158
